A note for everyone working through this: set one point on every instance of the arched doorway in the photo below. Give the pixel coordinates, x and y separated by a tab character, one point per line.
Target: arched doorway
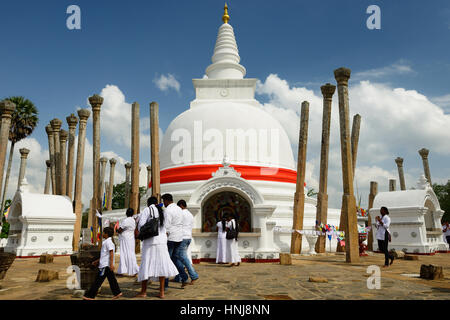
223	203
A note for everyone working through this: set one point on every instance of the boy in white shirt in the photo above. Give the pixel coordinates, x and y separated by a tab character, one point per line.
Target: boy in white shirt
106	268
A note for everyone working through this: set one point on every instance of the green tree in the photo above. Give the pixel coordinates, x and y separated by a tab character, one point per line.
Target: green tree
443	194
118	200
24	120
312	193
5	226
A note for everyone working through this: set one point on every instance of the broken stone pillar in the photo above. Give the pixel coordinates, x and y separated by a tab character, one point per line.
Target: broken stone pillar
299	199
401	175
112	163
285	259
134	197
127	184
154	147
431	272
46	258
392	184
63	135
48	177
72	122
426	168
103	162
23	165
56	126
83	114
96	102
47	275
51	151
149	175
372	194
342	76
322	197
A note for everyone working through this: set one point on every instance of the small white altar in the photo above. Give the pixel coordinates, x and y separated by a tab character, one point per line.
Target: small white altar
415	219
40	223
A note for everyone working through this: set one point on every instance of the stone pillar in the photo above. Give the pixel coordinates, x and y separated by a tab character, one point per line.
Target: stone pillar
355	139
48	177
401	175
63	146
112	164
96	102
322	197
72	122
83	114
149	176
56	126
127	184
154	149
101	185
134	197
372	194
6	110
392	184
23	165
342	76
299	199
51	151
426	168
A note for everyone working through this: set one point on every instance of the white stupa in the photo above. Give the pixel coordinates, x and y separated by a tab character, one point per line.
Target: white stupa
225	154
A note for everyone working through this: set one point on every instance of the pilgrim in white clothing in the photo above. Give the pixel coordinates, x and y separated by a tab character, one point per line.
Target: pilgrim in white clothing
232	253
128	264
221	254
155	258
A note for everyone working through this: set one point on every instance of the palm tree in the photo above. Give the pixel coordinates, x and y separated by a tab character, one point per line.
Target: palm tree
24	120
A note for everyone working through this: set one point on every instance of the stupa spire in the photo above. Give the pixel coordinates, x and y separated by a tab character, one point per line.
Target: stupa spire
225	17
225	61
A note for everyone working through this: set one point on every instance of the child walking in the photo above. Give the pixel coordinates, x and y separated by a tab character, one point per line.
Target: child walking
106	268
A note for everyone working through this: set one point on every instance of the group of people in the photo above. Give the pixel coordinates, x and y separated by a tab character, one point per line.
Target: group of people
163	255
227	249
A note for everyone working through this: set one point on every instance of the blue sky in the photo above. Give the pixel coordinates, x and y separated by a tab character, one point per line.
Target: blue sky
129	44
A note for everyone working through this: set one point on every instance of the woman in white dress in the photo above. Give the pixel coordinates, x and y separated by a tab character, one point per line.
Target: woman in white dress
232	253
221	256
155	259
128	264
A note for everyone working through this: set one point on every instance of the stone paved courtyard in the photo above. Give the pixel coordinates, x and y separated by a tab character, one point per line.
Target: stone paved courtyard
252	281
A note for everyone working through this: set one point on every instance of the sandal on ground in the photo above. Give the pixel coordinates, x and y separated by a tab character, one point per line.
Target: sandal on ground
118	296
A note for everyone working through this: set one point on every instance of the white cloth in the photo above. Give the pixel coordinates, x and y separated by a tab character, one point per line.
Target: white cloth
381	229
232	253
107	246
155	258
221	254
128	264
174	217
188	224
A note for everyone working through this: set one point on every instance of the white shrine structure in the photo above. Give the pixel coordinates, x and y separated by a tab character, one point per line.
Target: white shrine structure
415	219
225	154
40	223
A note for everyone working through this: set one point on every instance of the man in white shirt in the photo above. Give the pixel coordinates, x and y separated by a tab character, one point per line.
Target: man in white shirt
383	235
174	226
188	223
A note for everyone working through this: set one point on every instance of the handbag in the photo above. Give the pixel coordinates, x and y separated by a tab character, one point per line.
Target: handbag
232	232
150	228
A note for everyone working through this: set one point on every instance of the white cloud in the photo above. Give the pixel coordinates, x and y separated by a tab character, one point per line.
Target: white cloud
167	82
442	101
395	122
399	68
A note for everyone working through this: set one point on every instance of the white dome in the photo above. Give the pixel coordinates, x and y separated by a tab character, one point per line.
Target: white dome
205	134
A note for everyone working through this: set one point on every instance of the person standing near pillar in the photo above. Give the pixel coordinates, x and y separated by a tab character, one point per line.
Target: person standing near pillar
383	235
